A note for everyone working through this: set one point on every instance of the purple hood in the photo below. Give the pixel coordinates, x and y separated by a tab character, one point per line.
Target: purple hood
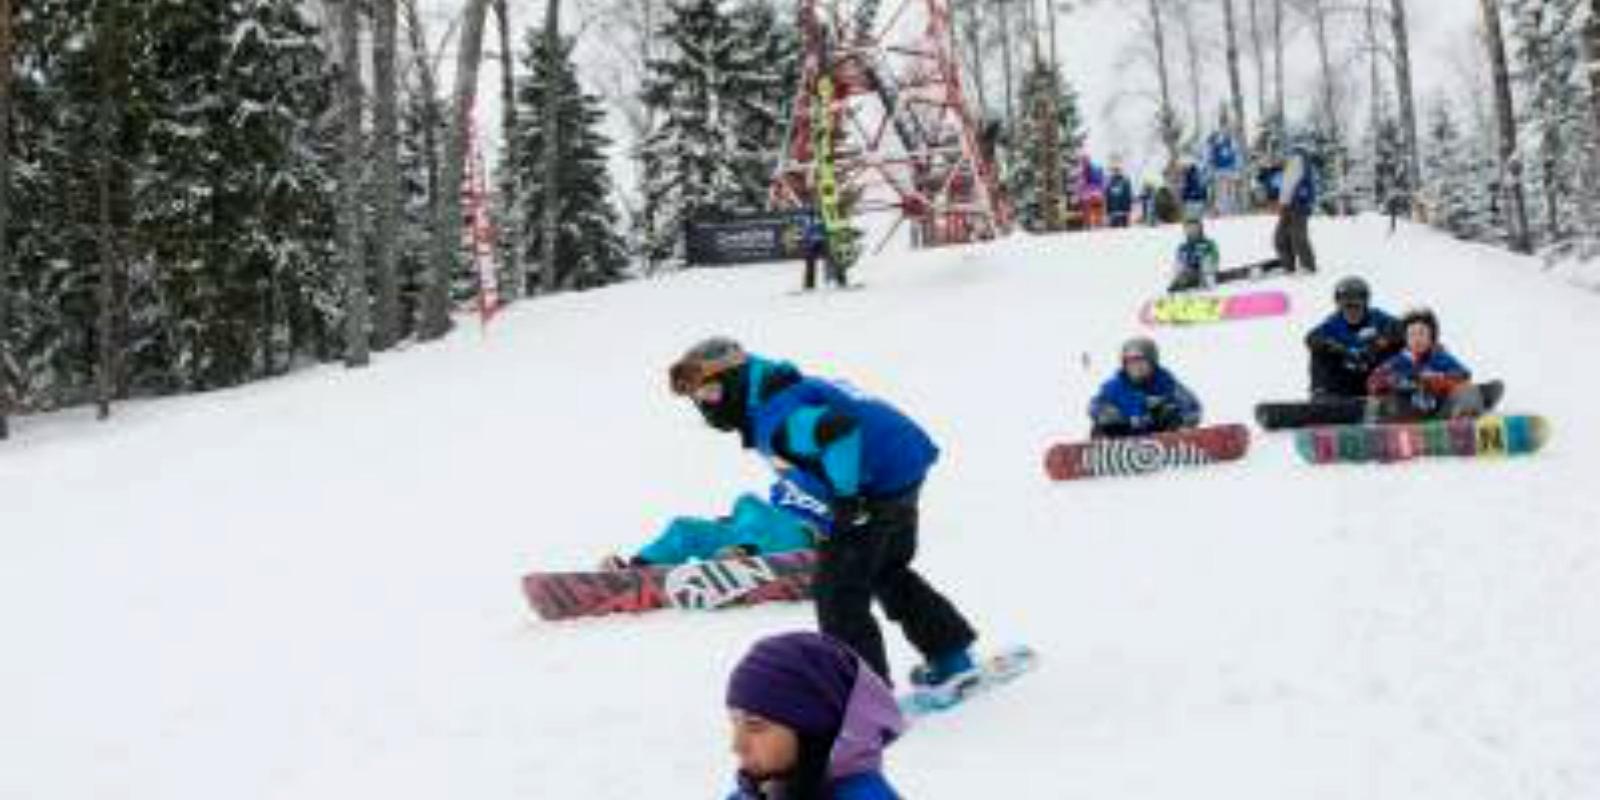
872	720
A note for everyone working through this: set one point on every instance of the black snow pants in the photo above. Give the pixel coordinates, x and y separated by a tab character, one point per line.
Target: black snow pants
874	561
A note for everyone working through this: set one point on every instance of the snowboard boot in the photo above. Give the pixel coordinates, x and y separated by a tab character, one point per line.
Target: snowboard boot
947	677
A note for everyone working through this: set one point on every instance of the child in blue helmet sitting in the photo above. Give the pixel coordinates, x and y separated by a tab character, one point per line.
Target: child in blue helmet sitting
794	517
1143	397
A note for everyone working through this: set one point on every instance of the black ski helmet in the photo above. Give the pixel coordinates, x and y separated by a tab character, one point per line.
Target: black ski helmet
1423	315
1352	290
1143	347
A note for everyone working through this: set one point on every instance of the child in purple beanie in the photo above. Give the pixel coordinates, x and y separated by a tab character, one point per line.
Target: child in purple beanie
810	722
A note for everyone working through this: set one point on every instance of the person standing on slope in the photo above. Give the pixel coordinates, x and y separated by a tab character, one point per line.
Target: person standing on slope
1423	381
1297	198
1195	190
873	460
1224	158
1119	198
810	721
1143	397
1348	345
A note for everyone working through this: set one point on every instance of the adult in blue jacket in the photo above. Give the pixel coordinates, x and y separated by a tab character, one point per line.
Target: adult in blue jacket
872	459
1223	157
1423	381
1297	198
810	722
1348	345
1119	198
814	242
1143	397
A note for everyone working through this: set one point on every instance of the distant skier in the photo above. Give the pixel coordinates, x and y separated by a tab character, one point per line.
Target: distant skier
810	722
814	241
1348	345
1297	198
1092	193
1119	198
1143	397
1195	191
1423	381
873	460
1147	200
1196	264
794	517
1223	155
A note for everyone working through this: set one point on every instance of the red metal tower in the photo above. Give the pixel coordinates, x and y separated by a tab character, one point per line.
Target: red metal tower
903	138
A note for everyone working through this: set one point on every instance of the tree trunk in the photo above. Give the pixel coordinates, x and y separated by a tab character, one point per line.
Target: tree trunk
1235	83
1168	123
1260	59
548	227
1191	54
1005	55
431	123
1375	98
1277	61
386	133
1055	62
6	402
1510	165
1329	100
350	212
111	68
974	37
1591	38
511	284
447	223
1399	30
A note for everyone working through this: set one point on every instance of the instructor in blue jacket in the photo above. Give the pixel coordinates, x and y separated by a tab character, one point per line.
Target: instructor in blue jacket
872	460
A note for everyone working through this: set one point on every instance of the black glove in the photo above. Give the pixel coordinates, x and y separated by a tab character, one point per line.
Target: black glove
1164	413
850	513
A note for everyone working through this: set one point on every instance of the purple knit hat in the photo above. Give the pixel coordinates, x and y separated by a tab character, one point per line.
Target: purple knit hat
802	680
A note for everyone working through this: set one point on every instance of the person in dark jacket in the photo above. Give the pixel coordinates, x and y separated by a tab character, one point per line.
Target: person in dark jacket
1119	198
814	242
1297	198
1196	190
1423	381
1143	397
872	459
810	722
1348	345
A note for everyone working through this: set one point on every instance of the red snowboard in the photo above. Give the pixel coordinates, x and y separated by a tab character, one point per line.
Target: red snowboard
1139	455
701	584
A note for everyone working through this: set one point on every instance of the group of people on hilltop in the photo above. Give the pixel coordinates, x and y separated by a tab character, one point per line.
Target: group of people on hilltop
1398	366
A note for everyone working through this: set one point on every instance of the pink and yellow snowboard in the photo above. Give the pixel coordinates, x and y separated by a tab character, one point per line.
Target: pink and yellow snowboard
1201	309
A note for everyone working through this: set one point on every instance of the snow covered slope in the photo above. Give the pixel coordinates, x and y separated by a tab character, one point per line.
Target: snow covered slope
308	588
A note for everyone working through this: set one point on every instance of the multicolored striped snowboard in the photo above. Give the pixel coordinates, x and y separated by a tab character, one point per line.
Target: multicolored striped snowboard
1139	455
1200	309
697	585
1481	437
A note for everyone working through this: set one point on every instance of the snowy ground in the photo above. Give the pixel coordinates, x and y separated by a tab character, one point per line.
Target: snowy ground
308	588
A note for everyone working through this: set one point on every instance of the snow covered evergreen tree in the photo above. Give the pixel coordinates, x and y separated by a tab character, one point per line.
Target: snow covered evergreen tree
216	195
717	96
589	248
1555	119
1458	195
1042	84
